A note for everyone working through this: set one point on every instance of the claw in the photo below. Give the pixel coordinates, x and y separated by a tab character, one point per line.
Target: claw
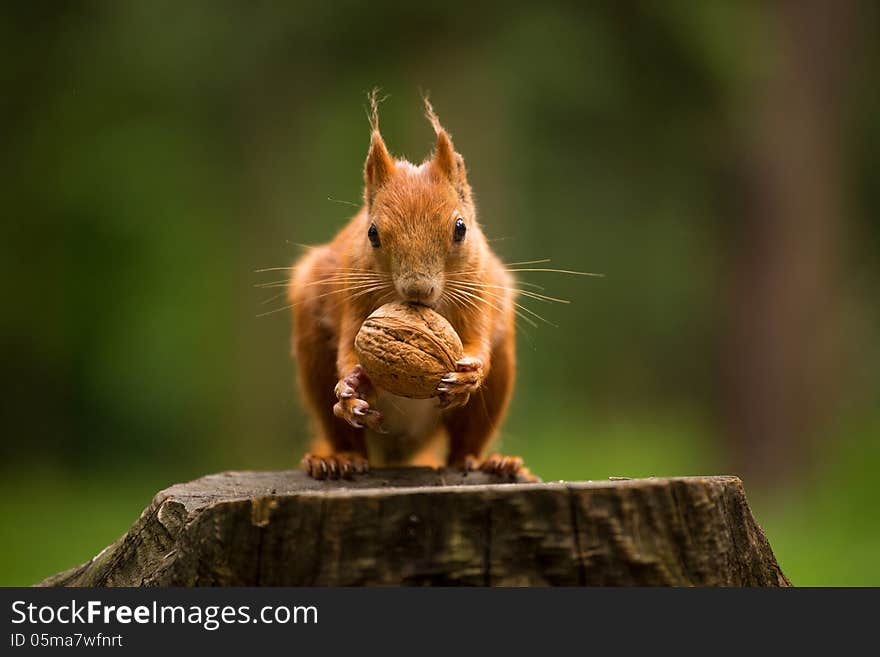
508	466
373	419
455	388
342	465
352	406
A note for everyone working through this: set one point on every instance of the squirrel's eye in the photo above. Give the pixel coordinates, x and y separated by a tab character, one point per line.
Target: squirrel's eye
460	230
373	234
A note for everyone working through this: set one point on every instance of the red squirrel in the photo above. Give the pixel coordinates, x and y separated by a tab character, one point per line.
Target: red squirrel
416	239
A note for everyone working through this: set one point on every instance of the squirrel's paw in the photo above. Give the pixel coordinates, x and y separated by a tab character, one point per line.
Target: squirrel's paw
352	407
507	466
455	388
358	414
339	465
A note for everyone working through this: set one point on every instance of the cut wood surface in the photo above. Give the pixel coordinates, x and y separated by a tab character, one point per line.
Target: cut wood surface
418	526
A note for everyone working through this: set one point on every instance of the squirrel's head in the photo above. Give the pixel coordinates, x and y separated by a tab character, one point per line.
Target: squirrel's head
420	224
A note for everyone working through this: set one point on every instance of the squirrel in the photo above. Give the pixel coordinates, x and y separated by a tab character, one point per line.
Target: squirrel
415	239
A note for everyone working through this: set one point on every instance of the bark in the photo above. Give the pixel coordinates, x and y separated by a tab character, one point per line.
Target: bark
418	526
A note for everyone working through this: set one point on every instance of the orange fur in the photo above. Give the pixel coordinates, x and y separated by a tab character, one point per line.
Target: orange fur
414	209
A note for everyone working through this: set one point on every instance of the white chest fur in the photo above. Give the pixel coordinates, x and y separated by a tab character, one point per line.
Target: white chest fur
410	424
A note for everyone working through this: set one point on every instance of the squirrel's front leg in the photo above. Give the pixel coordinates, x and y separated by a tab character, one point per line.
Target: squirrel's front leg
353	389
351	407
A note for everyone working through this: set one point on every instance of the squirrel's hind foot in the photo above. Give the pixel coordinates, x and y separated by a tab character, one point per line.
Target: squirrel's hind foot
338	465
506	466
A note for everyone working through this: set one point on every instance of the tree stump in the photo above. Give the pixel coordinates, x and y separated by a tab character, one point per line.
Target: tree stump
418	526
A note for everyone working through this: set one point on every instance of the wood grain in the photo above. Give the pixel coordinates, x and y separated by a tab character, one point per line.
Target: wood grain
418	526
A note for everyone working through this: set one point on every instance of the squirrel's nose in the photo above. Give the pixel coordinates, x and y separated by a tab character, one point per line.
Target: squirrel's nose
418	290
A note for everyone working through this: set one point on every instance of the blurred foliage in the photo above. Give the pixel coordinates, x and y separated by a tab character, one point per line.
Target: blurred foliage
156	154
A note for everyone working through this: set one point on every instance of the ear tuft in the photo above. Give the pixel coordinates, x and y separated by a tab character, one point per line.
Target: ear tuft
373	109
431	115
444	152
379	166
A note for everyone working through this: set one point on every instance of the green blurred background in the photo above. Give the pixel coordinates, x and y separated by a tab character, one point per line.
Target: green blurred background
717	161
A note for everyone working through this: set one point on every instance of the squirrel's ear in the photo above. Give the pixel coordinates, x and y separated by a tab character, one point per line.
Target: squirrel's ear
444	155
379	165
446	161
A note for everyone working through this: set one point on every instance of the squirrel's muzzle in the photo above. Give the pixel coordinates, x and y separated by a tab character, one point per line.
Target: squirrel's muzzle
419	288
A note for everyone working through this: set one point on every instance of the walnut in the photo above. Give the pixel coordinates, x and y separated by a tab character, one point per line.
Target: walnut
406	348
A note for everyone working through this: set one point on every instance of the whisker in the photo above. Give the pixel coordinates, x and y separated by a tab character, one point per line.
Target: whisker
526	262
562	271
534	314
527	283
277	310
464	303
331	280
518	317
351	277
272	298
362	270
460	300
388	296
535	295
504	264
337	200
491	305
521	307
357	270
286	281
527	293
342	278
514	267
346	289
367	288
368	291
351	288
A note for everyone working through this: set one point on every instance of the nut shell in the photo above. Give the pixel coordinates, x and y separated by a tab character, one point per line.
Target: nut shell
406	349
